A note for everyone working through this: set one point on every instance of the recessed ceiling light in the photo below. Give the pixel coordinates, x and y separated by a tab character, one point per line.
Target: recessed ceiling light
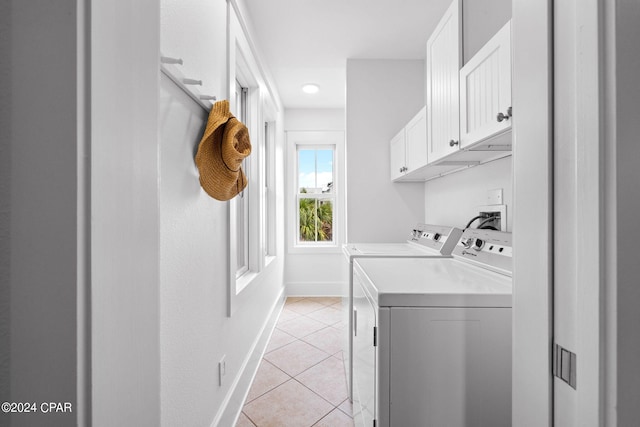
310	88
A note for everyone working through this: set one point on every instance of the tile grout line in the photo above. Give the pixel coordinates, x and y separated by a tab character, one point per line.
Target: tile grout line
249	418
295	377
334	407
338	407
246	402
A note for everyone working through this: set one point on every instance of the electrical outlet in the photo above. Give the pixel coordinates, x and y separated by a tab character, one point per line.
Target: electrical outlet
222	369
499	212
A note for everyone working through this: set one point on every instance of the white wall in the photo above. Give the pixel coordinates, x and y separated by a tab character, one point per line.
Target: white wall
481	19
382	96
194	269
314	119
196	32
318	273
195	329
454	199
125	217
39	226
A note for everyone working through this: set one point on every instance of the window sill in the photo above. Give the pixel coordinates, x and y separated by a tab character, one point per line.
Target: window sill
245	280
303	249
268	260
249	276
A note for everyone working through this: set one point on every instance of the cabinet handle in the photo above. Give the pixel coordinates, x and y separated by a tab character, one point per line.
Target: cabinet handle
453	143
500	117
355	321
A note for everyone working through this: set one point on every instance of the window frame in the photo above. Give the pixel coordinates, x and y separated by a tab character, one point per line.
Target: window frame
316	140
242	105
315	196
243	67
269	196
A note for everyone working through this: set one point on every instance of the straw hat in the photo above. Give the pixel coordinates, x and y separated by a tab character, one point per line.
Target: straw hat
223	146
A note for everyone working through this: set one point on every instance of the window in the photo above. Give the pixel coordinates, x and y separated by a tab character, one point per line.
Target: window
268	214
242	200
316	220
316	197
251	213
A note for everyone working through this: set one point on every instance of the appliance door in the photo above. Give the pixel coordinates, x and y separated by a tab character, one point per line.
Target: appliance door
450	367
364	354
347	319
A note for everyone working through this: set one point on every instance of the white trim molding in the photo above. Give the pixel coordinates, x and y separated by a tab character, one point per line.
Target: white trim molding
315	289
316	139
232	405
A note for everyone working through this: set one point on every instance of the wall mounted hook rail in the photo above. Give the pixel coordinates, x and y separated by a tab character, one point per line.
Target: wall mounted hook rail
185	84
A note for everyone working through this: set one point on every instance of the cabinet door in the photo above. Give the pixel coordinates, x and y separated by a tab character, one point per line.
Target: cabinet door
416	141
397	163
443	68
364	356
485	90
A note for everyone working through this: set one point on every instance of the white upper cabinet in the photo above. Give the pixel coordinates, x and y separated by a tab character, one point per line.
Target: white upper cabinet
485	91
416	141
443	62
397	157
408	149
467	118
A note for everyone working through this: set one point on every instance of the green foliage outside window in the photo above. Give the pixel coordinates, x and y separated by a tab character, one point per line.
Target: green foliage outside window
316	220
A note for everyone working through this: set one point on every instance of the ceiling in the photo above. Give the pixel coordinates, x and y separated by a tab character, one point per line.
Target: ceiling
309	41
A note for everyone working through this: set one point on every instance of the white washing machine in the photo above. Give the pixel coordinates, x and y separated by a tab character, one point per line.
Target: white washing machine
424	241
432	337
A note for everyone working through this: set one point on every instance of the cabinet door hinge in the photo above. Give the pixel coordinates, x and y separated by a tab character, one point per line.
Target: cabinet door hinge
375	336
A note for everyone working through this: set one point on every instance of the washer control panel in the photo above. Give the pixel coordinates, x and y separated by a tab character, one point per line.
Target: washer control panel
492	249
438	237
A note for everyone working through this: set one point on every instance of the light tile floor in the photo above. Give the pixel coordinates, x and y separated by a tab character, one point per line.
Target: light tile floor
301	379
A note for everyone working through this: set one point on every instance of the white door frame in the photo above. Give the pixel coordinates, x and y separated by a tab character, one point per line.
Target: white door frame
532	186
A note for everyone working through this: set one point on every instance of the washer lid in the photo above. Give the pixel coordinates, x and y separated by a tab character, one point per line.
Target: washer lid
428	282
388	249
423	240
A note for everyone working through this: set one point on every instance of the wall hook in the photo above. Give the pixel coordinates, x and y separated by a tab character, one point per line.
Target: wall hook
168	60
192	82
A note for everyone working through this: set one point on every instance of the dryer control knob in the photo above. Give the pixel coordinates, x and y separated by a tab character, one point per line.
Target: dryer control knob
436	237
467	243
479	244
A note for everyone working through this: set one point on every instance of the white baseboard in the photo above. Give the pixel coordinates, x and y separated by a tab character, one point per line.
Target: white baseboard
232	405
315	289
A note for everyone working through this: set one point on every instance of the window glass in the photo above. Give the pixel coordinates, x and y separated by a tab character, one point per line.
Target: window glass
315	170
316	220
316	195
242	199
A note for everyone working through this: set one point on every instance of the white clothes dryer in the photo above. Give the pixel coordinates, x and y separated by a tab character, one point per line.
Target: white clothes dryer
432	337
424	241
